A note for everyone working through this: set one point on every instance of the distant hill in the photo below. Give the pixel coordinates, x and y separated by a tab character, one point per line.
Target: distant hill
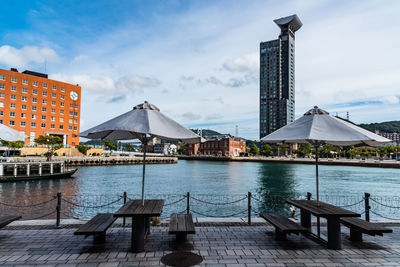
383	127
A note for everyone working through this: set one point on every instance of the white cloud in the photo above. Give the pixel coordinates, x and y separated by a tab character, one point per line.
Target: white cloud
390	99
23	57
214	116
245	63
191	116
135	83
79	58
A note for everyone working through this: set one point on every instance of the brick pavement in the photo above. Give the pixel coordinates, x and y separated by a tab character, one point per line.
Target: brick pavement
219	245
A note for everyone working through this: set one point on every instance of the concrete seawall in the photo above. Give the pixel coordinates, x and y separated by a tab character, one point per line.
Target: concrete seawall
100	161
323	161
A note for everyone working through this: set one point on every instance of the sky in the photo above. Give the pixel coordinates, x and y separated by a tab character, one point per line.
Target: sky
198	61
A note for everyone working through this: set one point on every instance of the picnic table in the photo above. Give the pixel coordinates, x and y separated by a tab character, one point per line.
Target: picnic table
330	212
140	218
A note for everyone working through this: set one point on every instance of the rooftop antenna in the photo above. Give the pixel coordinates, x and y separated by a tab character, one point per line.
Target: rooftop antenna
236	130
347	115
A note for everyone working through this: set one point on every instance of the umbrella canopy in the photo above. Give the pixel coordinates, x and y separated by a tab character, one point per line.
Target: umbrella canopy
318	127
9	134
144	122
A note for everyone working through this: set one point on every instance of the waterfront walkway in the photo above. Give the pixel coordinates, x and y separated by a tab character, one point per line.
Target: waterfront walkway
233	244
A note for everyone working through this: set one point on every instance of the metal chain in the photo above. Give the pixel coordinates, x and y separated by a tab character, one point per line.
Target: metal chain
388	206
256	199
71	216
91	207
231	215
42	216
380	215
27	206
345	206
179	200
213	203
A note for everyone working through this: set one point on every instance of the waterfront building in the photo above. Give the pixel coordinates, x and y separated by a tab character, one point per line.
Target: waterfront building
395	137
37	105
218	145
277	80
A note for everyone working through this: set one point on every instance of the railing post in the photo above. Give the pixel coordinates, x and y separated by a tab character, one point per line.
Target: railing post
187	203
123	220
58	209
367	206
308	196
249	208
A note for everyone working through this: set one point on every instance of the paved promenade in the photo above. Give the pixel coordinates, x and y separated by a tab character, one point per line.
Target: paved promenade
234	245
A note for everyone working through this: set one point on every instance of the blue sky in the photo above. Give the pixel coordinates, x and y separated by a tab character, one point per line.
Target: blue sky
198	60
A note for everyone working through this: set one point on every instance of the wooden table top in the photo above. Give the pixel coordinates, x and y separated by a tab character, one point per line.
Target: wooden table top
322	209
152	207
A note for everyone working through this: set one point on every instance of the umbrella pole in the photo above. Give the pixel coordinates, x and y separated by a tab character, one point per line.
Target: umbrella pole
144	169
317	183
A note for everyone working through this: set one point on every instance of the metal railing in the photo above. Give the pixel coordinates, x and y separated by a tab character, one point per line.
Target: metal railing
248	205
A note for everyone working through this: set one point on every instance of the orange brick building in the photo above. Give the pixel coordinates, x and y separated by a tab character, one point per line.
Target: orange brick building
32	103
218	145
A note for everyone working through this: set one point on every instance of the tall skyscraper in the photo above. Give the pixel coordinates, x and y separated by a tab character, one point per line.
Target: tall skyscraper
277	102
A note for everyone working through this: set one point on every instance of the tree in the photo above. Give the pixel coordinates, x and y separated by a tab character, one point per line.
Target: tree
181	149
82	148
266	150
51	142
129	147
254	150
303	150
13	144
110	145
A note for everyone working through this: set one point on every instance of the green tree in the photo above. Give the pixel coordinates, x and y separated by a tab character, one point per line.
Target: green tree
83	148
181	149
129	147
51	142
303	150
110	145
266	150
254	150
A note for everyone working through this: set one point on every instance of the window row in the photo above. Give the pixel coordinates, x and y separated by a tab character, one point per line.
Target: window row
34	108
42	125
34	91
34	116
34	83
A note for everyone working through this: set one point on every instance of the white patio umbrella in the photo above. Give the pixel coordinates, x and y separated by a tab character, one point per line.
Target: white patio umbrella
144	122
317	127
9	134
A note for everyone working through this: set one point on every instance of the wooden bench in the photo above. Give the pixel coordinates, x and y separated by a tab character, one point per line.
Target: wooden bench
181	225
283	225
5	220
97	227
359	226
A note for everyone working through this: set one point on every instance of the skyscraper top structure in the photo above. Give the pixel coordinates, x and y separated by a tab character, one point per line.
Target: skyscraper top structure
277	94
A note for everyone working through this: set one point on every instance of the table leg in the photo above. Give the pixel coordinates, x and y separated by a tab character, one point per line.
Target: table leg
334	236
305	219
147	225
138	233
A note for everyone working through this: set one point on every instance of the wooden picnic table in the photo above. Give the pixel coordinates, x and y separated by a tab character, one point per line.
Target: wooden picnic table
140	218
330	212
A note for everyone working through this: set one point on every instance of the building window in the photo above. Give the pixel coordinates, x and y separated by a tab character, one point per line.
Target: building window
33	116
24	81
71	105
62	112
53	95
1	113
34	100
13	79
44	117
2	86
23	124
53	110
61	127
34	91
2	77
23	107
43	125
44	101
12	114
75	128
23	115
33	124
24	98
70	128
35	83
13	97
1	121
62	104
62	97
52	126
61	119
13	105
2	95
44	93
24	90
52	118
71	113
13	88
44	109
12	123
75	121
54	87
45	85
62	89
34	108
53	103
70	120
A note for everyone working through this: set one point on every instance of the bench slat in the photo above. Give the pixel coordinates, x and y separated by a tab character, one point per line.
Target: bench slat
4	220
365	227
97	225
283	223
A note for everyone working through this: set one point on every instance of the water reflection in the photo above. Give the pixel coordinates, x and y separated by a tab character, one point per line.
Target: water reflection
276	183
